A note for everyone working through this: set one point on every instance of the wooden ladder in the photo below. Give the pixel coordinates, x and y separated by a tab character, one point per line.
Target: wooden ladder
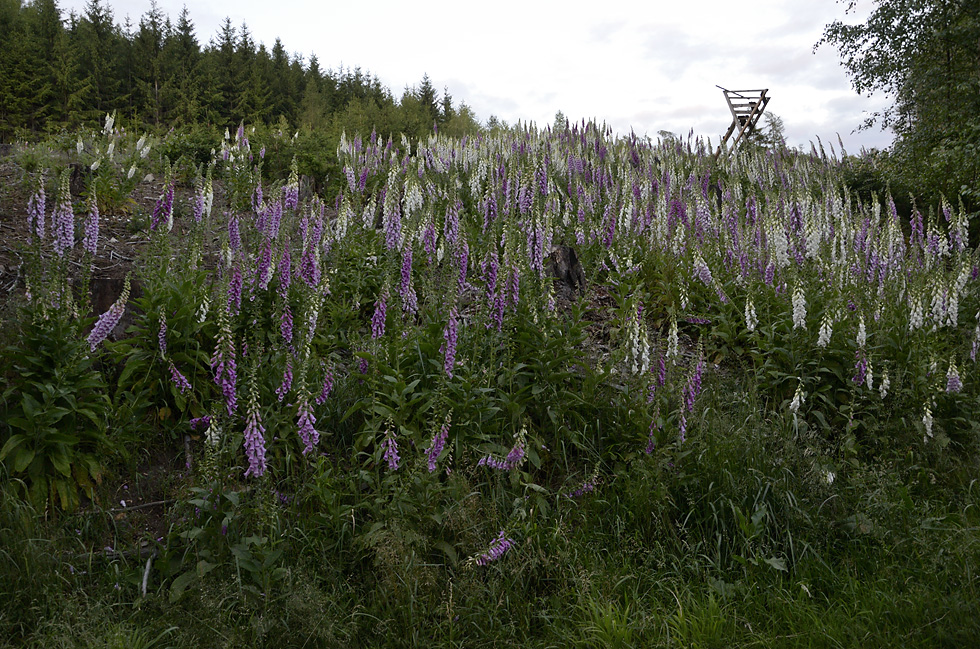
746	107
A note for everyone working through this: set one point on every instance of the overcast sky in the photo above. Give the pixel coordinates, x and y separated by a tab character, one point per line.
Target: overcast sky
649	66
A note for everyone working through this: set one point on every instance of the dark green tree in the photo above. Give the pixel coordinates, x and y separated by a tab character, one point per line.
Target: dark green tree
925	55
97	41
181	71
146	57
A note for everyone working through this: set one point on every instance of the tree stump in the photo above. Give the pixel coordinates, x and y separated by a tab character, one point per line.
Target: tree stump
565	267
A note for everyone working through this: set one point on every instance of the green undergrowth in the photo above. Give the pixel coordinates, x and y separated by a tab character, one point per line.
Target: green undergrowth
750	534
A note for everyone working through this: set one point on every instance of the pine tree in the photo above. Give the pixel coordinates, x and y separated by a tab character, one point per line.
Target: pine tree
97	38
180	65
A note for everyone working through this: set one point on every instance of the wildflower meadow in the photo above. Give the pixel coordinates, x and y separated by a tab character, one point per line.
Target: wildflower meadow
534	386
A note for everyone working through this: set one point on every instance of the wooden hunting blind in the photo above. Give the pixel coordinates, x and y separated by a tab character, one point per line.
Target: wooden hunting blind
747	107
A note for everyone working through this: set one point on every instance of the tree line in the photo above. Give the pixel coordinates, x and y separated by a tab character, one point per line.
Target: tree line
59	71
925	56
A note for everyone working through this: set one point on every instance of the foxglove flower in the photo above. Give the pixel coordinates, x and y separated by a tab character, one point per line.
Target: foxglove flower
826	330
163	210
862	334
701	270
450	334
497	548
108	320
927	422
179	379
286	324
264	269
258	205
309	266
884	384
327	388
953	382
799	309
462	261
673	343
35	209
976	343
306	427
798	398
91	238
514	286
586	487
751	321
223	364
408	296
380	313
916	315
451	226
391	449
287	380
651	437
162	334
515	457
285	272
255	442
234	233
437	444
693	387
235	289
291	191
63	219
429	240
860	367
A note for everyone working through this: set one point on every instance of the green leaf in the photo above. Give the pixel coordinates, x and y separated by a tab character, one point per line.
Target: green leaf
12	443
22	458
448	550
60	463
181	583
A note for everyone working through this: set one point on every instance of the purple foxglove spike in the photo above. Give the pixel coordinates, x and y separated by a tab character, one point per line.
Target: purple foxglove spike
379	317
450	334
63	219
255	444
306	427
91	240
35	210
179	379
108	320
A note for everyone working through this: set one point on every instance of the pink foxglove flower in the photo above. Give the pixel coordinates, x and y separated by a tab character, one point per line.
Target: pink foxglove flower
390	446
438	444
513	460
450	334
306	427
255	443
287	380
91	240
179	379
497	548
327	388
108	320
